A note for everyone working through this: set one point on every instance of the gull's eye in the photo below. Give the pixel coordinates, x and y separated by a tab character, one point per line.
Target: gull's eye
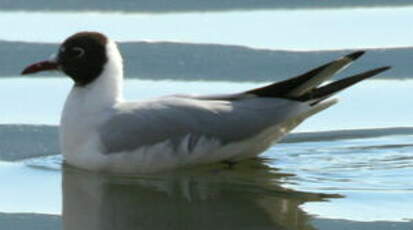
77	52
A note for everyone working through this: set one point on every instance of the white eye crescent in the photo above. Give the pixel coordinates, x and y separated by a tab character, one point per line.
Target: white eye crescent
53	57
78	51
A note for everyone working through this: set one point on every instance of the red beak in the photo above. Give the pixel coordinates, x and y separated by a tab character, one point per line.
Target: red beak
40	66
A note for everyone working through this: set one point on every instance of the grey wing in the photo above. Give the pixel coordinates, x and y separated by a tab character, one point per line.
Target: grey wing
227	118
137	125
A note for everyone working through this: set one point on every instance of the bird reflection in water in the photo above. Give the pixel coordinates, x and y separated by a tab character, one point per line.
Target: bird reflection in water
248	196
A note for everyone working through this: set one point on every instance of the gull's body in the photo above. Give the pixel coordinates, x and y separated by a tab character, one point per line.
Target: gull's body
100	131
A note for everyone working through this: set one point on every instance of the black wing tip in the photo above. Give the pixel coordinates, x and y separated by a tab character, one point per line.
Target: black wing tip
384	68
355	55
376	71
330	89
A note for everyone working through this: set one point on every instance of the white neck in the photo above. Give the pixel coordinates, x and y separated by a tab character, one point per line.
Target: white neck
106	90
84	107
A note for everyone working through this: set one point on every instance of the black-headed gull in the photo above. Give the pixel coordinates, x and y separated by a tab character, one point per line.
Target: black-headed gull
100	131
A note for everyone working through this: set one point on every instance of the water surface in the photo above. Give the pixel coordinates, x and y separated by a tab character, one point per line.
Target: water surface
292	186
370	104
271	29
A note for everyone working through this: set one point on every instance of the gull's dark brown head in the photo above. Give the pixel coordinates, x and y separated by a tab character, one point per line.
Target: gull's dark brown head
82	56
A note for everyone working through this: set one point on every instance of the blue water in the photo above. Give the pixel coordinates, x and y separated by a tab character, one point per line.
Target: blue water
367	172
315	183
271	29
370	104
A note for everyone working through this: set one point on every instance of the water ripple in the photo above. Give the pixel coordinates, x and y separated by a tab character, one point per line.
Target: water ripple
371	164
